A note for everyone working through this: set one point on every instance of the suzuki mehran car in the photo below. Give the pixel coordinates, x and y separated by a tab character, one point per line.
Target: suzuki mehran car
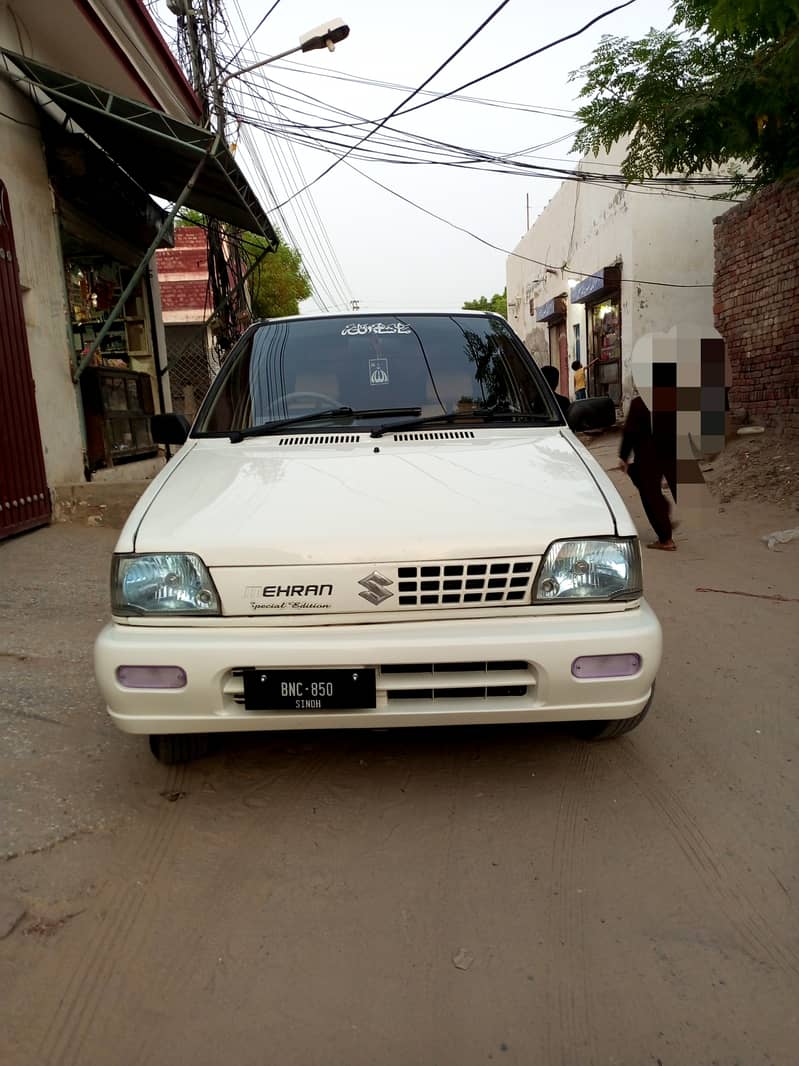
376	520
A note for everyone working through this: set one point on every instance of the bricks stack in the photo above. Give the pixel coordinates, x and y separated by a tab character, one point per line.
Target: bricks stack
756	304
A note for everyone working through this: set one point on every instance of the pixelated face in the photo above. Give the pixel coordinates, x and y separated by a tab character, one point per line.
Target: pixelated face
681	377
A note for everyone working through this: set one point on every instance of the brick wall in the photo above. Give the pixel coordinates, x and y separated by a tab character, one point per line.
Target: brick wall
189	260
756	304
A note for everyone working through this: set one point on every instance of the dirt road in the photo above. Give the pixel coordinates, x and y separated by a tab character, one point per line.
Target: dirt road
416	897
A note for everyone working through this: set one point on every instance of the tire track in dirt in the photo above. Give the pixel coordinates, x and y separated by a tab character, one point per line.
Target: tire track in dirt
119	944
168	971
570	1025
720	879
138	870
64	1035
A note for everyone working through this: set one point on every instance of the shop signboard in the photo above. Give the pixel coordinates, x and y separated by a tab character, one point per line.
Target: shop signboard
595	286
552	310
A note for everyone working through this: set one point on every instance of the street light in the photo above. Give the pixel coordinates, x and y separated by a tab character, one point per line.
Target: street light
328	35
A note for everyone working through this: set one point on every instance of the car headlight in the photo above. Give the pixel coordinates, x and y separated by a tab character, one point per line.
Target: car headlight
597	568
162	584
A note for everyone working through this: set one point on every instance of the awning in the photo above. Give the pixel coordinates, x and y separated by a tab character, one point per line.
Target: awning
597	285
158	151
97	201
553	310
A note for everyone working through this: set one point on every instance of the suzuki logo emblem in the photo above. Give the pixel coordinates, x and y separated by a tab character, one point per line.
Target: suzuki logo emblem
375	585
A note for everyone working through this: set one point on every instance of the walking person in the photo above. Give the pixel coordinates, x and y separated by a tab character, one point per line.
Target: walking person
646	472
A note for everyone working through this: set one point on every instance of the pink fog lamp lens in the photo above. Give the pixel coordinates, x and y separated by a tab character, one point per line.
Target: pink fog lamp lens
607	665
151	676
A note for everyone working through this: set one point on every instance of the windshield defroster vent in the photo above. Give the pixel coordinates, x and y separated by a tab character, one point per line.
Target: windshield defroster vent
335	438
443	434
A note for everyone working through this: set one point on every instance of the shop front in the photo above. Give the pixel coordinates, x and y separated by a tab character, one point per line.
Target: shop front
553	313
105	156
601	296
118	388
106	223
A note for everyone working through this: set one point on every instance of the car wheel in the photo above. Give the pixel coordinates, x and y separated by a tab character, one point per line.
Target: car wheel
615	727
174	748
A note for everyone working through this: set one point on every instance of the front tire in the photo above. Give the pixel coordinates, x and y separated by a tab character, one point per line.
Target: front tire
614	727
172	748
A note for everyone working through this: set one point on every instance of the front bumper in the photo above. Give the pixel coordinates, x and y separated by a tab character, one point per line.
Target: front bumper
515	670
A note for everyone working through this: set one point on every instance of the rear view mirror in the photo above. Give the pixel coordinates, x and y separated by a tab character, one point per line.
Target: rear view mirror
597	412
169	429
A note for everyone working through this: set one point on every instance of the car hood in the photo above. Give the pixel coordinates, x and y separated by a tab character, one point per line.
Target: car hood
289	500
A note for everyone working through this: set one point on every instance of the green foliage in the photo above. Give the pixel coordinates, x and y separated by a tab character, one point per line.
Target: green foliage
497	303
719	86
279	282
187	216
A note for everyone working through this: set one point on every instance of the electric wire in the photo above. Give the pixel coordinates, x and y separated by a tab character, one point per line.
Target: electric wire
294	131
247	40
407	99
521	59
299	133
506	105
518	255
329	286
505	164
316	231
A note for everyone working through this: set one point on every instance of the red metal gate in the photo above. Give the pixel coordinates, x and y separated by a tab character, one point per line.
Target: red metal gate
24	496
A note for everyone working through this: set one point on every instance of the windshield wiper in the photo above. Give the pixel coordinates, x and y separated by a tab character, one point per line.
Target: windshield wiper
238	435
486	413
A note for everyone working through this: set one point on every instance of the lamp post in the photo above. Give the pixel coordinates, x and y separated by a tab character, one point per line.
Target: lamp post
328	35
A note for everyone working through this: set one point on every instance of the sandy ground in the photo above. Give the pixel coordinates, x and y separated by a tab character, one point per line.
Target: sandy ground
454	896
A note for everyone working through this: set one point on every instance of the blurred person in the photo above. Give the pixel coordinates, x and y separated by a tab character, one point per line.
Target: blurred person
647	471
552	374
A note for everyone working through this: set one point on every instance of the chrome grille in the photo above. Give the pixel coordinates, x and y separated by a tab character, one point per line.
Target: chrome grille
463	583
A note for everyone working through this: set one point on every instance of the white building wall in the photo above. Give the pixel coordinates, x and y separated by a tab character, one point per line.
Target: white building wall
656	237
41	274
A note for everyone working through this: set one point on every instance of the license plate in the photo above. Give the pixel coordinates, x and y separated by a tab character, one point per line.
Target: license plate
309	690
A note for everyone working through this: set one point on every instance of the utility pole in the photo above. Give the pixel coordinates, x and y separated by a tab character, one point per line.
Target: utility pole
213	94
196	21
528	213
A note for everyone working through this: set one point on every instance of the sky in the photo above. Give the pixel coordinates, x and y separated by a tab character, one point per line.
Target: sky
358	241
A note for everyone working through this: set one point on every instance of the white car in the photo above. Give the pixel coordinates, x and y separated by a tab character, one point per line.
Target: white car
376	520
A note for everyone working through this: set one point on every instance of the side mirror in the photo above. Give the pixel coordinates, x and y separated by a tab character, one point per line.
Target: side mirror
169	429
597	412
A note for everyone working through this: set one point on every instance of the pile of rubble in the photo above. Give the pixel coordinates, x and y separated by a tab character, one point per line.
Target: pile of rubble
761	467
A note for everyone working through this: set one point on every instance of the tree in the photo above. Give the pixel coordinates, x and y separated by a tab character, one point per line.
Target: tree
498	303
719	86
279	282
187	216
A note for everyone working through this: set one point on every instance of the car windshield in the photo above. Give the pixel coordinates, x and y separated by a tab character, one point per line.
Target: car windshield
380	367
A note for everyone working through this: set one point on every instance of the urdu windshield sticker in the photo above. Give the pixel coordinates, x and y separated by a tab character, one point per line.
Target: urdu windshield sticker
361	329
